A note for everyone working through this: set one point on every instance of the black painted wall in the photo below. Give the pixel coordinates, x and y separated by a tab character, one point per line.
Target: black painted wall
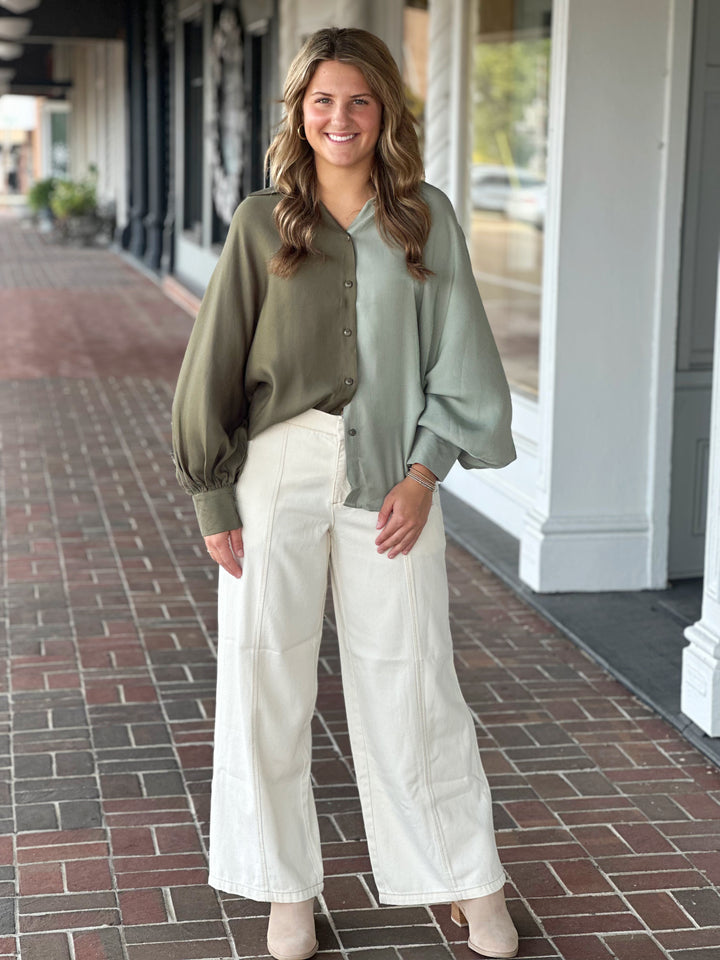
148	132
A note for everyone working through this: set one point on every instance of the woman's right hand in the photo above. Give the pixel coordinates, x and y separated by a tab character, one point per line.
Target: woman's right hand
227	549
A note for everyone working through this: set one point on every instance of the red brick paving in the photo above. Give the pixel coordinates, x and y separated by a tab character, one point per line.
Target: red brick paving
608	821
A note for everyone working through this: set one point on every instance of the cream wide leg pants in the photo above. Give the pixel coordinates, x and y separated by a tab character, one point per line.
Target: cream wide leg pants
424	795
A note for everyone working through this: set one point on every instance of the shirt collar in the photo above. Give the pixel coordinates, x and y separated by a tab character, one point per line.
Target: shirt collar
367	211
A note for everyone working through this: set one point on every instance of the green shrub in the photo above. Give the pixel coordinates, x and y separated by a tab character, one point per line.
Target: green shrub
72	198
39	194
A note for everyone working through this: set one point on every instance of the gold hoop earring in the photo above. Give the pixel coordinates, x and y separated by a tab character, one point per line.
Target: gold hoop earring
300	134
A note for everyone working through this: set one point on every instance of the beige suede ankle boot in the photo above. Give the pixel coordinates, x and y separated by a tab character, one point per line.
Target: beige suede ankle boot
492	932
291	931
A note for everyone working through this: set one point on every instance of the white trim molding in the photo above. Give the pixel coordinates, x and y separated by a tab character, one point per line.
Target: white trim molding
581	553
700	691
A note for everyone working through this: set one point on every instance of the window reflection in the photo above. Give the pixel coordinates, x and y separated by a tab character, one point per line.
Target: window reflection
508	190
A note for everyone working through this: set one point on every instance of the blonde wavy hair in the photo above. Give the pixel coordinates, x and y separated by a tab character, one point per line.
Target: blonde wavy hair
401	214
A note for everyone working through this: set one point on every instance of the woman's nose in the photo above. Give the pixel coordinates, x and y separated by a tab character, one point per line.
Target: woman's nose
340	114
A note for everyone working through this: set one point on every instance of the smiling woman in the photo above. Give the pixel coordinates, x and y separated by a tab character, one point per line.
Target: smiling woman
340	364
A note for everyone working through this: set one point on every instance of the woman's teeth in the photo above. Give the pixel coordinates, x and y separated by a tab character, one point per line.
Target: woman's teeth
340	139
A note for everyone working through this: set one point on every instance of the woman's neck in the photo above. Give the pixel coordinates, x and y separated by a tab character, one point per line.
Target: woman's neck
344	188
345	197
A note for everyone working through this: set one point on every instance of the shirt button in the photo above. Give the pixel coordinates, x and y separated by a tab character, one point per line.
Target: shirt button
349	381
348	283
348	237
352	431
347	331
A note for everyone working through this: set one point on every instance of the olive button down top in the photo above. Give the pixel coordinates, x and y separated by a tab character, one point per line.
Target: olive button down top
412	366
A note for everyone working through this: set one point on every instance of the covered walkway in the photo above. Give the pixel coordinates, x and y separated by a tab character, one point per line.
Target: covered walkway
609	822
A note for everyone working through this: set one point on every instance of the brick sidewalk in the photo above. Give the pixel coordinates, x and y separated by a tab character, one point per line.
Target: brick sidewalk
608	822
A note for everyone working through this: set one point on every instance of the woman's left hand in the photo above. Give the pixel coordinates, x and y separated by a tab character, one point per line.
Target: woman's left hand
403	515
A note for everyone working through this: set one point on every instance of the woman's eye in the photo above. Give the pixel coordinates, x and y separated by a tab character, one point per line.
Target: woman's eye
323	100
361	102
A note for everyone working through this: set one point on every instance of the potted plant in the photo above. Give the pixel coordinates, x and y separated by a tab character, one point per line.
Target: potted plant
74	204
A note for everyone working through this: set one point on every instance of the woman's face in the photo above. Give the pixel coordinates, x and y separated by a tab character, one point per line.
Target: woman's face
342	118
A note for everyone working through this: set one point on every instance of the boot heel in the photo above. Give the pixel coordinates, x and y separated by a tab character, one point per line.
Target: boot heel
457	916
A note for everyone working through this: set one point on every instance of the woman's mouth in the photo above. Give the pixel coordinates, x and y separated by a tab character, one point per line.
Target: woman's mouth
341	137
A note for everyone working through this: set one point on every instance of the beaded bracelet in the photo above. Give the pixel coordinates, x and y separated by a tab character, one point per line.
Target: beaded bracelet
422	480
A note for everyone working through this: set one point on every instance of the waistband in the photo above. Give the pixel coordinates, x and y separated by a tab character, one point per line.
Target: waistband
318	420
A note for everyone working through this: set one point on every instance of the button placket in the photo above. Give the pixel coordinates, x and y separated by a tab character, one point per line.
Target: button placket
349	324
349	284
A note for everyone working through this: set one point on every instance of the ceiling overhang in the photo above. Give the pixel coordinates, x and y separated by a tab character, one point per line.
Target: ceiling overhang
29	30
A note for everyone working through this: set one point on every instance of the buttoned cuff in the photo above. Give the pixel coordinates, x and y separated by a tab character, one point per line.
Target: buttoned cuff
433	452
216	510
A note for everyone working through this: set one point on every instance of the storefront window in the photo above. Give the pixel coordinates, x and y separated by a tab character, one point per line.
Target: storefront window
508	190
59	153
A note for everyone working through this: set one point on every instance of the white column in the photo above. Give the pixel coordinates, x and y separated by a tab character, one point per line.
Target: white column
118	131
438	143
447	126
613	215
700	694
78	122
352	13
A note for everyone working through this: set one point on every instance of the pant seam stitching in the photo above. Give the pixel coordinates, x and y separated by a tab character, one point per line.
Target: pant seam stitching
443	896
308	778
333	498
262	890
256	652
410	583
369	828
318	430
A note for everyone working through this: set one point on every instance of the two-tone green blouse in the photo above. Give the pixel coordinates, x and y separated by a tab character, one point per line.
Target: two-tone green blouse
413	366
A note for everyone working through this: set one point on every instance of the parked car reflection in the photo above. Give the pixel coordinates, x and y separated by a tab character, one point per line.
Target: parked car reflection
492	186
527	204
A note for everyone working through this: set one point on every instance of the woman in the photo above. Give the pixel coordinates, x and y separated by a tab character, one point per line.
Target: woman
340	364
